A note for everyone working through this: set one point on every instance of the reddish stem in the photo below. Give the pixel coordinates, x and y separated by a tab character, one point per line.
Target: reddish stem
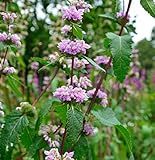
63	142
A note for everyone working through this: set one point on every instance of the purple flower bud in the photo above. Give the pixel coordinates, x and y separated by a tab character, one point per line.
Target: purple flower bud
73	47
3	37
34	66
66	29
72	13
9	70
88	129
8	16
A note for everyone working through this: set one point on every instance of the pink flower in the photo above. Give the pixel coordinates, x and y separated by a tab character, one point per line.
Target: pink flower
70	93
3	37
9	70
54	154
102	60
81	4
88	129
34	66
15	39
78	63
73	47
8	16
100	94
66	29
121	14
72	13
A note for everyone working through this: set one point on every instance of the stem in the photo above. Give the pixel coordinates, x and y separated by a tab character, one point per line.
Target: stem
45	89
3	61
124	21
57	129
108	65
72	69
98	87
63	142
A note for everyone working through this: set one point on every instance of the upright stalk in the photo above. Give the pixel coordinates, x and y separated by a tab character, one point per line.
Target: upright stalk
104	75
3	60
45	89
72	70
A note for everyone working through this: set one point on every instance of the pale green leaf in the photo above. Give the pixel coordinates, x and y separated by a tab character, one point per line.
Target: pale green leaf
106	116
149	6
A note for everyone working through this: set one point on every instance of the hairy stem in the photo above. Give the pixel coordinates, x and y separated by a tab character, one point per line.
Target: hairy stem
72	69
45	89
63	142
104	75
3	60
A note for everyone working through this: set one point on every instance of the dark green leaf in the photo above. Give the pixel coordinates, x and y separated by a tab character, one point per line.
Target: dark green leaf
106	116
93	63
149	6
74	125
121	54
108	16
13	7
15	123
81	149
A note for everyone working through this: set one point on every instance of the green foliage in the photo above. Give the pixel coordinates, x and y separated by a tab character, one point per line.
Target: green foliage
74	125
77	31
149	6
14	84
81	148
15	123
127	137
106	116
121	54
93	63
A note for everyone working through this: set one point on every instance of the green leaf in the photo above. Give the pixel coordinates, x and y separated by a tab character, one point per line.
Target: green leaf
13	7
109	16
149	6
121	54
44	110
93	63
14	86
127	137
26	137
77	31
2	46
61	111
106	116
38	143
81	149
74	125
15	123
40	60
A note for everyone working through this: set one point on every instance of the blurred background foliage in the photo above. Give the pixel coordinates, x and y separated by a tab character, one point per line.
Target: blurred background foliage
39	25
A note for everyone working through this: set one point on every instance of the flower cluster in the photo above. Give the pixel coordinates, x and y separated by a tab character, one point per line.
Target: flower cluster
78	64
10	17
82	82
53	58
121	15
66	29
81	4
10	38
35	66
102	60
72	13
100	95
71	93
6	69
54	154
73	47
51	135
88	129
